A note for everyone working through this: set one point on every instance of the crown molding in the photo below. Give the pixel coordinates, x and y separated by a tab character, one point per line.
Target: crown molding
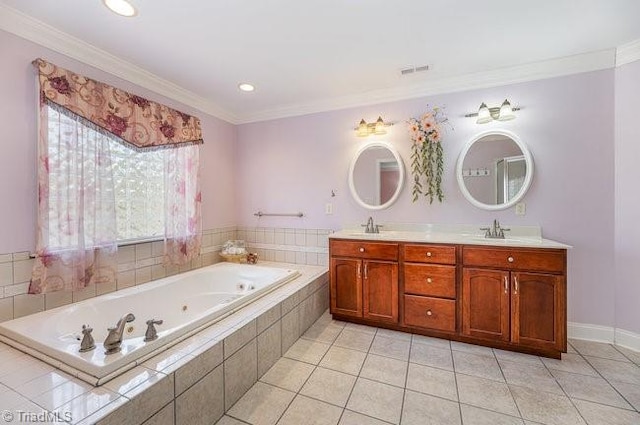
31	29
627	53
568	65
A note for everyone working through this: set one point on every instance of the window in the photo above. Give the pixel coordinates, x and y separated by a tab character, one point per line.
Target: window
138	182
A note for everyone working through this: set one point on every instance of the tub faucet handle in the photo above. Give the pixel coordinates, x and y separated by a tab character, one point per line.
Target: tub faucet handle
88	343
151	334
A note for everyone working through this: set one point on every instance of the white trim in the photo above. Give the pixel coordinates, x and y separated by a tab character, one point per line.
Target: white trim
31	29
627	339
628	53
593	61
606	334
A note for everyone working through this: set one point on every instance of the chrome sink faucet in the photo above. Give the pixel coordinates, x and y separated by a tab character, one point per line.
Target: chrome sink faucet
495	232
114	339
370	227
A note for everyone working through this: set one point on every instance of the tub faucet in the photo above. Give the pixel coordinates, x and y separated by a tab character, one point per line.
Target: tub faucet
151	334
87	343
114	338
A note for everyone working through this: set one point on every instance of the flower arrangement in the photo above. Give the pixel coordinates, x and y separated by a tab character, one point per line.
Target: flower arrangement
427	163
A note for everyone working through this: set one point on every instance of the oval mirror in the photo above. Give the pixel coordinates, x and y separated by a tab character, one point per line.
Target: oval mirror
376	175
494	170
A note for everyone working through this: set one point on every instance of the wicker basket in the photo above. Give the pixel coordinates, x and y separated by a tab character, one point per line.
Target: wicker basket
234	258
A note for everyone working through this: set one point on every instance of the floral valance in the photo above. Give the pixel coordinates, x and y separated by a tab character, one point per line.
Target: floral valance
134	120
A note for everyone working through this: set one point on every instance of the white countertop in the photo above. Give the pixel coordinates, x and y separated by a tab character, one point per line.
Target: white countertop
518	236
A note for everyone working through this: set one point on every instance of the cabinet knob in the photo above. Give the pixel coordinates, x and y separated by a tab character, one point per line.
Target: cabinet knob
429	313
361	250
510	259
429	280
428	254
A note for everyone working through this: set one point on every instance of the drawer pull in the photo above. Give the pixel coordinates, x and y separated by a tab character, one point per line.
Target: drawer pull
429	280
429	313
510	259
429	254
361	249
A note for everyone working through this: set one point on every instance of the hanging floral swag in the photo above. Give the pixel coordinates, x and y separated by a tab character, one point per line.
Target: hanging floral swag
427	163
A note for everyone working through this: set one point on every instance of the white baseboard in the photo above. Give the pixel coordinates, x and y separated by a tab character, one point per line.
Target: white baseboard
606	334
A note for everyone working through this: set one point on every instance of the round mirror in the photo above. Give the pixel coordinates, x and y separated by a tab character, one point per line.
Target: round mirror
494	170
376	175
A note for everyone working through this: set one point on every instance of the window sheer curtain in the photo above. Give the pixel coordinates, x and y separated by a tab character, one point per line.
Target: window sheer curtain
77	234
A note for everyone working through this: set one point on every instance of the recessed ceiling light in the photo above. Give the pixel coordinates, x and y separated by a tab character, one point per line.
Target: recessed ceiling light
246	87
121	7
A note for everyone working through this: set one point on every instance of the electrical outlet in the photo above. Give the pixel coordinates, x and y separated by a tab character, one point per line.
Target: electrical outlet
328	208
521	208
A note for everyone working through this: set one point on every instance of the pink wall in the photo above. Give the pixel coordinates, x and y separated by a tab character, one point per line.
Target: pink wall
627	180
292	164
18	142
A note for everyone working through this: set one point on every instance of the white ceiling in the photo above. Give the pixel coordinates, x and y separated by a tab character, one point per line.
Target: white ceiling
301	53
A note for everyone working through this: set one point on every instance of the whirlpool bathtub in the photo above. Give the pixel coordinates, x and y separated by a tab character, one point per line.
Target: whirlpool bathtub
186	303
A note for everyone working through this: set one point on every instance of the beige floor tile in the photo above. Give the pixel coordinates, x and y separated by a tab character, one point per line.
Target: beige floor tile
598	349
526	375
228	420
263	404
429	380
612	370
343	360
472	415
546	408
353	418
431	355
435	342
354	339
629	391
385	369
329	386
391	347
632	355
516	357
599	414
361	328
388	333
378	400
486	394
472	348
590	388
288	374
307	411
307	351
323	332
477	365
573	363
422	409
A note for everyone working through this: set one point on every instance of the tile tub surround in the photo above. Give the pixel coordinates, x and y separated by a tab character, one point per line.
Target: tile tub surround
340	373
142	262
193	382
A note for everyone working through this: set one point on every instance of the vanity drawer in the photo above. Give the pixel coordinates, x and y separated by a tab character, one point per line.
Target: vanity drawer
377	250
428	279
431	313
439	254
515	259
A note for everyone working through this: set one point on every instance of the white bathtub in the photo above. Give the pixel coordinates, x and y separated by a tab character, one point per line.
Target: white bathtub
186	303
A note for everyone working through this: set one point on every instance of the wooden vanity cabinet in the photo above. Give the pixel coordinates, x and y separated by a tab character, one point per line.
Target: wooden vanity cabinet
516	296
429	294
364	280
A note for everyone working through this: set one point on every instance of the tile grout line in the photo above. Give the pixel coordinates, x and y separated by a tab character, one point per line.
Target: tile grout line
507	384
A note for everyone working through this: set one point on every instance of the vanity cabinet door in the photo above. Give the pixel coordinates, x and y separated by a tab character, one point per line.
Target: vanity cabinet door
538	316
380	286
485	304
346	286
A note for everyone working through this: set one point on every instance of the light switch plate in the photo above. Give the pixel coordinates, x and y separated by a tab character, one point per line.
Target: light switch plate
328	208
521	208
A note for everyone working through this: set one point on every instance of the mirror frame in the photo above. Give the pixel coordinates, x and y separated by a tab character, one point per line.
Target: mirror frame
525	185
352	166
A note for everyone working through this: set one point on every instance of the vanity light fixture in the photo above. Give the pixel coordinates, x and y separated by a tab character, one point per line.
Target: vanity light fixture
121	7
365	129
486	114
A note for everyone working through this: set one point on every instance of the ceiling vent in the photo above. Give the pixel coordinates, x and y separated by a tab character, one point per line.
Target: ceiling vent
413	69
